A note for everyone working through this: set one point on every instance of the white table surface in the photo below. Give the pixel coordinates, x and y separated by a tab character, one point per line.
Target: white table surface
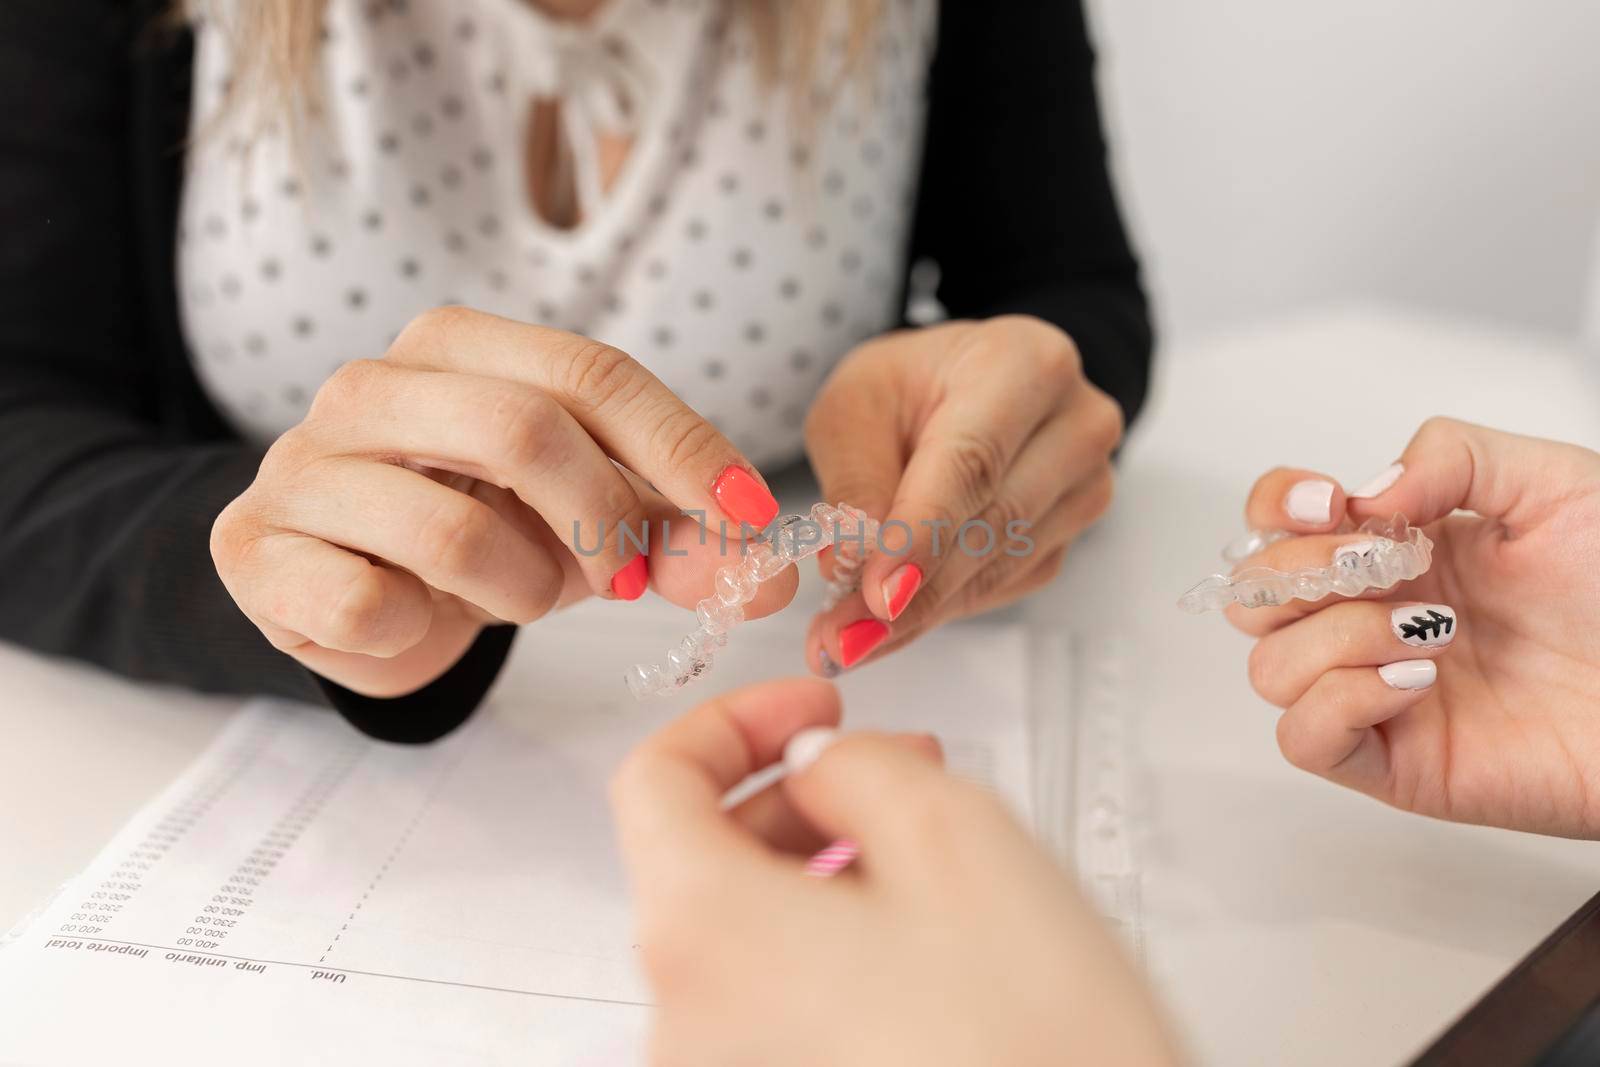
1287	921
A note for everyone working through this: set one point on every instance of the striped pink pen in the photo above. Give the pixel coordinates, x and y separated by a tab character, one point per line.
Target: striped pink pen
801	752
833	859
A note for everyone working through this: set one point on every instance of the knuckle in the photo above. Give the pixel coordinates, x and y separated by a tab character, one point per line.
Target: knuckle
682	439
1107	421
231	533
1004	510
286	457
430	330
1262	667
936	516
1293	745
976	464
456	535
622	512
355	613
1052	352
1099	494
1057	364
615	501
519	425
1440	432
349	386
595	374
1440	426
538	598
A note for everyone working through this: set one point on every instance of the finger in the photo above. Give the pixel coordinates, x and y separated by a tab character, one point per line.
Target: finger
1042	572
635	418
845	637
956	479
452	541
1032	579
300	589
842	637
1286	663
1451	464
503	432
772	816
901	807
1066	452
1331	730
972	577
1299	501
1294	554
855	443
685	558
668	792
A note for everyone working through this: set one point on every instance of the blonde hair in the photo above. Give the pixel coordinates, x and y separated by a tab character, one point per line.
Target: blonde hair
276	41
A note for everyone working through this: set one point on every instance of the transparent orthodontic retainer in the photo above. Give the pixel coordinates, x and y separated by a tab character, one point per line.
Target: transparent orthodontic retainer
853	535
1394	551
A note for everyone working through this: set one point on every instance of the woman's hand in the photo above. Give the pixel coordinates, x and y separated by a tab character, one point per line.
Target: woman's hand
984	452
482	471
952	940
1473	692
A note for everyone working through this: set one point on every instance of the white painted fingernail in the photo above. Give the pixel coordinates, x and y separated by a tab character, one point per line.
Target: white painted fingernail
804	747
1380	483
1424	625
1310	501
1409	674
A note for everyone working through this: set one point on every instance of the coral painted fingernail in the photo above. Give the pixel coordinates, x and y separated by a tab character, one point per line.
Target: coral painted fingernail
859	638
1380	483
631	581
1409	674
743	499
1424	625
900	587
1310	501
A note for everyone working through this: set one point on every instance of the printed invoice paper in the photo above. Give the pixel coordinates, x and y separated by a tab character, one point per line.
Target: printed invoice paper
302	894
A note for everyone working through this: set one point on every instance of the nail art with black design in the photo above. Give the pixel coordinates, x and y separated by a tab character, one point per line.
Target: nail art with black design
1424	625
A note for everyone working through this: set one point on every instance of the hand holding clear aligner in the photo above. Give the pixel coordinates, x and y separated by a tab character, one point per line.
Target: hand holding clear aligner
851	531
1394	552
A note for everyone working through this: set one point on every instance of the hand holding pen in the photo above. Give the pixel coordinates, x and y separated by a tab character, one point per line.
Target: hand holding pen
952	939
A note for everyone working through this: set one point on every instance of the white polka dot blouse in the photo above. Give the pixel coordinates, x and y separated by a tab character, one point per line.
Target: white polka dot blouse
740	251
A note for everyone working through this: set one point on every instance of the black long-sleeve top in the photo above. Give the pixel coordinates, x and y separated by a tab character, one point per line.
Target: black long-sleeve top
113	463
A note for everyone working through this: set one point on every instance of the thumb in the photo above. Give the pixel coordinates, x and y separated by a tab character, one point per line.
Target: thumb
893	798
854	444
1451	464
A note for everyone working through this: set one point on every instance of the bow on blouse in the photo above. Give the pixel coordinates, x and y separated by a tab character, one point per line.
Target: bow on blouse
603	87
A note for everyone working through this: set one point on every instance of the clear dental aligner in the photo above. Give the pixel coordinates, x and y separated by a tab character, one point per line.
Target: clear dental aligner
852	532
1393	552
